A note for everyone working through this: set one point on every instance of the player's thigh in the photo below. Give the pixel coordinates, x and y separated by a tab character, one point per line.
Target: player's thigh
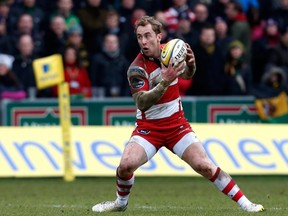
134	155
197	158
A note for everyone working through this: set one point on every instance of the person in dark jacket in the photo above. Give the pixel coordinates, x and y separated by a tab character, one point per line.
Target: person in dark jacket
210	77
109	68
262	47
56	37
279	54
92	18
239	75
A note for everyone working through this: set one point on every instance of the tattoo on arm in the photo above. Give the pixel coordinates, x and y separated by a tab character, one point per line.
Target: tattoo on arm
189	72
145	99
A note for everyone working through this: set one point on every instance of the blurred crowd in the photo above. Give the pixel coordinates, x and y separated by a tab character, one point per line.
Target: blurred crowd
241	46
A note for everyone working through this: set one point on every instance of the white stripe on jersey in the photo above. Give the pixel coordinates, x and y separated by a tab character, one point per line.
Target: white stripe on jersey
159	111
156	76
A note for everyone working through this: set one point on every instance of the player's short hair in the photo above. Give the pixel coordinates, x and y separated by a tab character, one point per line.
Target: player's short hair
145	20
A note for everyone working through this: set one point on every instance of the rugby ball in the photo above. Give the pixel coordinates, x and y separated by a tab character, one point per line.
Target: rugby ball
175	51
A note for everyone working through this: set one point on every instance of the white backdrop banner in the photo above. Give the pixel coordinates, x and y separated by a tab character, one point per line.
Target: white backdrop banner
96	151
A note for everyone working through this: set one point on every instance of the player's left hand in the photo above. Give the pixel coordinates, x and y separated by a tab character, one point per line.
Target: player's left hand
190	58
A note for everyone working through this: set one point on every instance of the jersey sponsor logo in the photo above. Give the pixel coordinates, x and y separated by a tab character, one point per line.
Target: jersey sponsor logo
145	132
137	83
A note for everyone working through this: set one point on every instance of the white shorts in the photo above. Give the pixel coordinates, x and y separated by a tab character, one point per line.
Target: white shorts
179	148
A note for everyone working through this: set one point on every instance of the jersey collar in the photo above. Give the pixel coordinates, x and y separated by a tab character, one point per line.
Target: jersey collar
156	60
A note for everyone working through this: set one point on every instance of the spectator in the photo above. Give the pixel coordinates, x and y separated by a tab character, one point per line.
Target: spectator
5	45
112	26
262	46
27	7
10	86
273	82
92	18
125	11
75	39
22	66
75	75
137	13
64	9
55	38
25	26
109	69
133	44
210	79
239	28
4	12
279	55
281	14
166	36
185	31
161	17
217	9
174	12
255	21
201	17
239	80
222	38
271	96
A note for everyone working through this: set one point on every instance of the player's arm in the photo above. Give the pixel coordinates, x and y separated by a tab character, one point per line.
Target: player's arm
145	99
190	64
139	85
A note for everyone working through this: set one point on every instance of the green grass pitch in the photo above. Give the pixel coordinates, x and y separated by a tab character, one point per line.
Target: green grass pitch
160	196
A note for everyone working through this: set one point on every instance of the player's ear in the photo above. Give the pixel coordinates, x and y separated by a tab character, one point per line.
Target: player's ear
159	36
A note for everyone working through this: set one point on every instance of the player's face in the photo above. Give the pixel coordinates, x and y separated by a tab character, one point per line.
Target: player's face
149	41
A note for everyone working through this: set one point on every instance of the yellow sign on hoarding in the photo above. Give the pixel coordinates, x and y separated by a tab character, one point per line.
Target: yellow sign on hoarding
96	151
48	71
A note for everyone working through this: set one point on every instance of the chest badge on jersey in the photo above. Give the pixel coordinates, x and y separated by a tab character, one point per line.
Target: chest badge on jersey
144	132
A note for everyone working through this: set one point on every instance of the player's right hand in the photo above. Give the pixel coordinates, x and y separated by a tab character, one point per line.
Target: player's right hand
170	73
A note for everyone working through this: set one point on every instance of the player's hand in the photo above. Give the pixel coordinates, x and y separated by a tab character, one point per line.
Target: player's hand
170	73
190	58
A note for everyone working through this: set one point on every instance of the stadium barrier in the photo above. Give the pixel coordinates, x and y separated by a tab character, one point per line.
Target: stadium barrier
121	111
96	150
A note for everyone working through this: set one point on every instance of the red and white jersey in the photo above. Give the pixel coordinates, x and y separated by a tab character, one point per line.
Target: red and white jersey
145	73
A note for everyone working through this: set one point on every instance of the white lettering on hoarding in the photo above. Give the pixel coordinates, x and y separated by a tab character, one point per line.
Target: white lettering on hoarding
251	151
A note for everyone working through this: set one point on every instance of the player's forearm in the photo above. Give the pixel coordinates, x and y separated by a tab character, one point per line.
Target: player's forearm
189	72
145	99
